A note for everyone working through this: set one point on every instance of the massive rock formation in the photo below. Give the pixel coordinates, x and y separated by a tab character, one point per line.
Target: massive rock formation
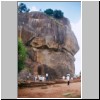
51	44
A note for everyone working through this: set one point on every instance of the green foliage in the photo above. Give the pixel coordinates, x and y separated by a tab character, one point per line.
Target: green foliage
21	55
58	14
49	12
22	8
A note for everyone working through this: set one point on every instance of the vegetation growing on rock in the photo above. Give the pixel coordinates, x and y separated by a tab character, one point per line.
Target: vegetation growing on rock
21	55
49	12
58	14
22	8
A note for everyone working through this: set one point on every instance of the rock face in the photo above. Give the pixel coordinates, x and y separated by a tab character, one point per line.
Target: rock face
51	44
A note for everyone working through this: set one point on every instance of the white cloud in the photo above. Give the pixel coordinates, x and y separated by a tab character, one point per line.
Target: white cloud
33	8
76	27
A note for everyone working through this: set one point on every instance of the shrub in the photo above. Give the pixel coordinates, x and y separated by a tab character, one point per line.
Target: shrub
49	12
21	55
58	14
22	8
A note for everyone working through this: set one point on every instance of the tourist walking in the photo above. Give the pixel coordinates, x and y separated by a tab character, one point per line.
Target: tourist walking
68	79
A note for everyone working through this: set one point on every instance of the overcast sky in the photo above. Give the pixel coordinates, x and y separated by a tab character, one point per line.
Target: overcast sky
72	10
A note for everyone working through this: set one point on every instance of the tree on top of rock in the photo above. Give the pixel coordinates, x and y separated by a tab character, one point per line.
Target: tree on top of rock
49	12
58	14
22	8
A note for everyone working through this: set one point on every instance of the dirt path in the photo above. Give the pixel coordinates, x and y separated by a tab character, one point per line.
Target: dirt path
52	91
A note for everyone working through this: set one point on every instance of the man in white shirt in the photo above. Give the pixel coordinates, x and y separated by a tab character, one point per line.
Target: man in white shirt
68	79
43	78
46	76
35	78
40	78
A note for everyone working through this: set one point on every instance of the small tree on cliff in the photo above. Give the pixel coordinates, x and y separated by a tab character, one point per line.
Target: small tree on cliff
22	8
58	14
49	12
21	55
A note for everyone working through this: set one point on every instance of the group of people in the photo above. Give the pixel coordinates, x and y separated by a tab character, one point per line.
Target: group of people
68	78
45	78
41	78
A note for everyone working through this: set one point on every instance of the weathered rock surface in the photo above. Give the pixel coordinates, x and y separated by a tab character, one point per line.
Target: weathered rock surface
51	44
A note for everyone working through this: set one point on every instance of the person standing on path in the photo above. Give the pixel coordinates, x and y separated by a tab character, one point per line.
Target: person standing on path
68	79
46	76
